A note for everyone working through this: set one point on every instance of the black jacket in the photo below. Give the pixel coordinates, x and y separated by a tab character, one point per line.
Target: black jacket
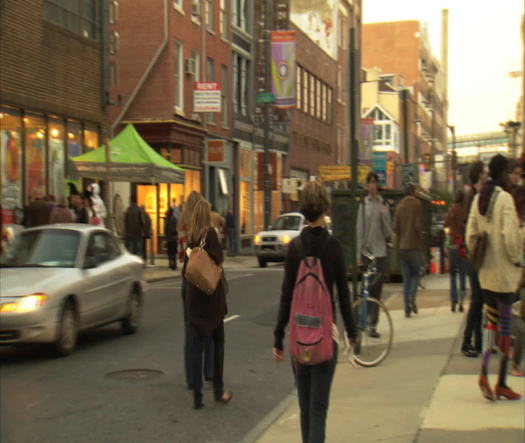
134	222
334	269
205	312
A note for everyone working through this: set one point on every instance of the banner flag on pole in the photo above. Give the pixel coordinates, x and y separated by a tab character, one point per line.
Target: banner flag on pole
283	68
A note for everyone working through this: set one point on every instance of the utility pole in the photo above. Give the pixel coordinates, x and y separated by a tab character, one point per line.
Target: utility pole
267	89
454	162
354	85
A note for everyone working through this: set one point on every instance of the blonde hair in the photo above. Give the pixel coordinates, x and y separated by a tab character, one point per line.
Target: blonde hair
187	210
200	221
314	201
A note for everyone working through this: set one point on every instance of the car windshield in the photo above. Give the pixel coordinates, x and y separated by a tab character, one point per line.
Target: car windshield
42	248
287	223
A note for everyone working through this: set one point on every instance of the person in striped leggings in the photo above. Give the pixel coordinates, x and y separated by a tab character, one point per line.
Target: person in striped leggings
498	321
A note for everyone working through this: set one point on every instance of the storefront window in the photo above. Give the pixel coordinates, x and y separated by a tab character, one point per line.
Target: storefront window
192	181
35	155
90	137
74	138
246	191
57	185
10	159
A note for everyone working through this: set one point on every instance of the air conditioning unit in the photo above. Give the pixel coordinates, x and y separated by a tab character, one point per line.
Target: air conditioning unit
196	8
190	66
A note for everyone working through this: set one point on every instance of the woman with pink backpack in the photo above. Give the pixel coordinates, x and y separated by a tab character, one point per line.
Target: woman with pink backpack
314	264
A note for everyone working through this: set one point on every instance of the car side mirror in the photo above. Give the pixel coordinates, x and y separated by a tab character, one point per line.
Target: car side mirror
90	263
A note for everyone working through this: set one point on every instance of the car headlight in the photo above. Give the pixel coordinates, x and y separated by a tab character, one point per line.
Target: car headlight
25	304
257	240
285	239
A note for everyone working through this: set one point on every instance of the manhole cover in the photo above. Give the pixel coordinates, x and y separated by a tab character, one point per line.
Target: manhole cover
135	374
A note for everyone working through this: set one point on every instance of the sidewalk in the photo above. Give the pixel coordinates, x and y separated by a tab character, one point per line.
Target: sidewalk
425	391
160	271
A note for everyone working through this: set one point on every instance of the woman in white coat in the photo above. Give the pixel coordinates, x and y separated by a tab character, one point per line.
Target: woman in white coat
493	211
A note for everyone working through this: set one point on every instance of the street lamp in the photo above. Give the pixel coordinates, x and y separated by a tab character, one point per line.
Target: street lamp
452	130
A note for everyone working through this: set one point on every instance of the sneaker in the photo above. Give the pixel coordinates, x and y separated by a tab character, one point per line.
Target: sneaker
468	351
373	333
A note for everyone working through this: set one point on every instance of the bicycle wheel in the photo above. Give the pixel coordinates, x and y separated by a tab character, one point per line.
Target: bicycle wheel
370	351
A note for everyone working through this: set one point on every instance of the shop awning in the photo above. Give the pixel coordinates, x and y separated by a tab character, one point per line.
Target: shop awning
131	160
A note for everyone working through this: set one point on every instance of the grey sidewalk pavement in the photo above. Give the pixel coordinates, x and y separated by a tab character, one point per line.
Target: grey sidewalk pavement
161	271
425	391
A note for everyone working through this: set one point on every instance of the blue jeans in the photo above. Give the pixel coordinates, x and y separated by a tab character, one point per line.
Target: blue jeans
198	344
231	241
458	266
313	389
410	262
208	347
134	245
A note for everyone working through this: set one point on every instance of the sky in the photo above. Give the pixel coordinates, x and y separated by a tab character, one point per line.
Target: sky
484	46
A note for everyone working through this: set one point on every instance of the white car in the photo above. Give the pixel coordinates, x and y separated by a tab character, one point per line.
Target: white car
58	280
271	245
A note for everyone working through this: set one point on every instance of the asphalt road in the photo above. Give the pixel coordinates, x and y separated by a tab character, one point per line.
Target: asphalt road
76	399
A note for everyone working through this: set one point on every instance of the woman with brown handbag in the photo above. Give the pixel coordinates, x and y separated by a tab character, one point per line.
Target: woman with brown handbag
205	313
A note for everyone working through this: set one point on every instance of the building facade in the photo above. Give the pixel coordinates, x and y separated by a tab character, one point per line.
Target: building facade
401	51
52	105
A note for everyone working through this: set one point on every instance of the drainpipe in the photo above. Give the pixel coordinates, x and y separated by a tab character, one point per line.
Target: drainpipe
148	70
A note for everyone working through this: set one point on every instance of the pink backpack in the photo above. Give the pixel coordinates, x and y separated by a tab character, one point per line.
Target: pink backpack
311	315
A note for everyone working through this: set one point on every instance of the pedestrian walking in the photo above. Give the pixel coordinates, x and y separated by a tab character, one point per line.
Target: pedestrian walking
232	234
172	237
408	227
493	212
61	214
206	312
217	221
457	252
477	177
147	232
97	205
79	210
314	381
37	212
183	228
134	227
374	234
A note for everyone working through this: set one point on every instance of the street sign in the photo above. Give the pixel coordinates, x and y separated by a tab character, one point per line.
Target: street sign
265	97
207	97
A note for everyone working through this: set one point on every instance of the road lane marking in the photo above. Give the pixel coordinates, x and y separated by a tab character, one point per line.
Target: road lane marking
233	317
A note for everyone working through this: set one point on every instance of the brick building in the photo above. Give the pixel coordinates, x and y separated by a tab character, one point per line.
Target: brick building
51	100
164	48
401	51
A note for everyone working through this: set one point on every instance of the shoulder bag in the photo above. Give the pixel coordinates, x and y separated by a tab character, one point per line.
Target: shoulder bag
201	269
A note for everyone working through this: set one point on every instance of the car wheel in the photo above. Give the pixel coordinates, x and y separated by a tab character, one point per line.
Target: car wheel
262	262
131	323
67	331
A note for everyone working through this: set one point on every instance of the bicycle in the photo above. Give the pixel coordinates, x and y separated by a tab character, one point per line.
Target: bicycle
371	348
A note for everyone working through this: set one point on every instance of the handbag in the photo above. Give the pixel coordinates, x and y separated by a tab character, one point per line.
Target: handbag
201	269
477	254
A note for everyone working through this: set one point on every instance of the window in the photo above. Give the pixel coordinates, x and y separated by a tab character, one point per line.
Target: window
305	91
113	12
179	79
323	102
78	16
56	162
240	14
298	86
223	19
329	104
240	84
196	10
177	4
311	85
195	55
35	148
113	74
210	77
224	96
318	99
10	169
209	14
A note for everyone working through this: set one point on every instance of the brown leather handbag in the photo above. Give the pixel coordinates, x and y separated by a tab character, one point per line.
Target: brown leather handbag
201	269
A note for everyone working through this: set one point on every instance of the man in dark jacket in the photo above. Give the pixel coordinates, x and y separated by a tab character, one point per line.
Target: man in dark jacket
134	225
408	226
37	213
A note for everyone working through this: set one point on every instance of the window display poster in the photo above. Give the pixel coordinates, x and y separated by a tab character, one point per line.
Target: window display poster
35	161
11	169
57	185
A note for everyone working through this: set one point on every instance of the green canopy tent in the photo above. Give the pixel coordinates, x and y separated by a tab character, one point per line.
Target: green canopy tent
131	160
